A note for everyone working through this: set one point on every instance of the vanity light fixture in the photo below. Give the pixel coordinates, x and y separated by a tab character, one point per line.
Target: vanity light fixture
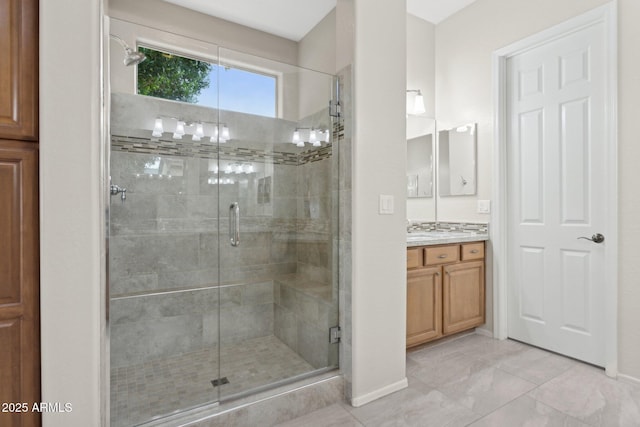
199	133
196	129
418	102
296	137
313	136
177	134
157	128
214	137
224	136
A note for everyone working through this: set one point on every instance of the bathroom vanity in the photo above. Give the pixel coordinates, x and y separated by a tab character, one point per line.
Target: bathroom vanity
445	284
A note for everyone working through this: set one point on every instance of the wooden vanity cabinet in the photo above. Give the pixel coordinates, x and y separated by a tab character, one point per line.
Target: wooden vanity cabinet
445	290
462	296
424	305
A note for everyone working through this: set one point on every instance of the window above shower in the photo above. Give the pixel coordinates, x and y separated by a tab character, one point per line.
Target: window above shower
232	88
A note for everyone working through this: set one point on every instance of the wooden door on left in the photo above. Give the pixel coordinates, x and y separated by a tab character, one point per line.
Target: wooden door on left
19	224
19	290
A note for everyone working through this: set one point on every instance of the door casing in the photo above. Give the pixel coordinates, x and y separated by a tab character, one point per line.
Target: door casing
607	14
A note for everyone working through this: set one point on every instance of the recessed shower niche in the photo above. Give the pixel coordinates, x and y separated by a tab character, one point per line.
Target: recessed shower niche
222	262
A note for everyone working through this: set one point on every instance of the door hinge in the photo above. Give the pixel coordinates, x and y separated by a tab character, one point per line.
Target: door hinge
334	335
335	109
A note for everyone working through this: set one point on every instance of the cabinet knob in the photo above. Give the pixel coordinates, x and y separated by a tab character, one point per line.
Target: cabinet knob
474	251
442	256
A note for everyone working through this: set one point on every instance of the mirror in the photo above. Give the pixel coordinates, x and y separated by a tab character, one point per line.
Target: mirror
457	161
420	166
421	144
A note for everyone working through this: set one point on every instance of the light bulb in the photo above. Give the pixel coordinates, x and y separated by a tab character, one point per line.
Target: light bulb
418	104
157	129
312	136
300	143
327	136
199	133
179	130
214	137
228	168
296	137
224	136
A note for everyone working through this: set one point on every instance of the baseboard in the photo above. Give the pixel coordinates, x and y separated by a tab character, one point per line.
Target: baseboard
484	332
381	392
629	379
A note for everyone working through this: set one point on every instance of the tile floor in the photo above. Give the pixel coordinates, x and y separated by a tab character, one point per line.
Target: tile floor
478	381
161	386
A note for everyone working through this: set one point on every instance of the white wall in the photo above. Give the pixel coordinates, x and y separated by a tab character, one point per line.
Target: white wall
317	51
71	218
421	56
421	75
464	44
379	164
629	205
176	19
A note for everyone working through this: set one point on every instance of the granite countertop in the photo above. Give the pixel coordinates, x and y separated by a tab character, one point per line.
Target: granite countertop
427	238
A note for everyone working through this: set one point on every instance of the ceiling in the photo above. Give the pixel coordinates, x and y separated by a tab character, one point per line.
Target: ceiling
292	19
436	11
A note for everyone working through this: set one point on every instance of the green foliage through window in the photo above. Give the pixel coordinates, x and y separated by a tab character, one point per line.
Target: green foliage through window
168	76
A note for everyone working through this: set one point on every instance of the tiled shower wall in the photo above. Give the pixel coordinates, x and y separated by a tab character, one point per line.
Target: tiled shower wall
164	243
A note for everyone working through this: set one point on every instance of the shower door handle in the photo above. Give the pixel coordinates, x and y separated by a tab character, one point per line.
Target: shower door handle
234	224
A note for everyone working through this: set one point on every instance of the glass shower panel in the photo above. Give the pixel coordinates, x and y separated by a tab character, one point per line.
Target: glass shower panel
163	259
278	221
223	261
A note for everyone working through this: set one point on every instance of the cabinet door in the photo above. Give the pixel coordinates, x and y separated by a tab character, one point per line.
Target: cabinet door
463	296
19	321
424	302
18	69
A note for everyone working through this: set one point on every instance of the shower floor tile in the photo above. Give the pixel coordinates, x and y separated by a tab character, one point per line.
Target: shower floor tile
163	386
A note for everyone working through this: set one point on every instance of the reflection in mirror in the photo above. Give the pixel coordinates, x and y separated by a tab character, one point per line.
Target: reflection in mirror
457	161
421	203
420	166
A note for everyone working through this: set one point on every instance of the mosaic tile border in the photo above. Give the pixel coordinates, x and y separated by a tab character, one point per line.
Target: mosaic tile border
470	227
209	150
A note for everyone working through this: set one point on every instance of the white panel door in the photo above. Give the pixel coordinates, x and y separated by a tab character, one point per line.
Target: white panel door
556	188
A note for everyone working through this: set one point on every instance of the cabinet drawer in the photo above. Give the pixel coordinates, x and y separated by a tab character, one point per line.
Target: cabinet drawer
414	258
442	254
472	251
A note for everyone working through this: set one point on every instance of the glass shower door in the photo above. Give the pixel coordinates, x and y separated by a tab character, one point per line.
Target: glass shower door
223	260
163	259
278	221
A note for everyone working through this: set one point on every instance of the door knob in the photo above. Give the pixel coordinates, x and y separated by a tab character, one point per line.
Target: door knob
596	238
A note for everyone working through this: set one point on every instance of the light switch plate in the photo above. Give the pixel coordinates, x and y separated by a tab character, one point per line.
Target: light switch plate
484	206
386	205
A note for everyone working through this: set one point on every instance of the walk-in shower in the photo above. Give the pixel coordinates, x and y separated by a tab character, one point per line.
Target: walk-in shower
223	254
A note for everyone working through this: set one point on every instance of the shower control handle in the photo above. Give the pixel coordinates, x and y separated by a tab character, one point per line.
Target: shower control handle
116	189
234	224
